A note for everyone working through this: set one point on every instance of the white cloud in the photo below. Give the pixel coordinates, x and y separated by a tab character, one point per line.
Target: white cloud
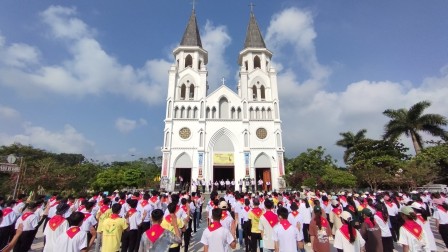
127	125
7	113
215	40
89	71
313	116
67	140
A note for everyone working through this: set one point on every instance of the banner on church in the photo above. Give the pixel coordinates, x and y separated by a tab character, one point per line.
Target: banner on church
223	159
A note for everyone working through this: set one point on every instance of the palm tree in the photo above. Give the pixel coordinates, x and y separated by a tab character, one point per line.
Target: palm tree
349	140
411	122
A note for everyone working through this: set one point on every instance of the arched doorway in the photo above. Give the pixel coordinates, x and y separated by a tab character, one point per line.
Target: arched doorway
183	166
263	170
223	159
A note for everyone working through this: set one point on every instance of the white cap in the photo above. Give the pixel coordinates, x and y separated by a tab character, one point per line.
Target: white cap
414	192
346	216
349	194
356	195
363	196
426	191
400	194
416	205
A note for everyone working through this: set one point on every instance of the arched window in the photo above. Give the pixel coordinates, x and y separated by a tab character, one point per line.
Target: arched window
183	90
207	114
246	139
195	112
189	61
276	110
269	113
201	139
251	113
213	112
169	110
189	112
245	110
257	113
182	112
202	109
200	65
176	112
191	92
166	139
257	63
223	108
232	113
263	113
254	92
246	65
239	113
279	140
262	93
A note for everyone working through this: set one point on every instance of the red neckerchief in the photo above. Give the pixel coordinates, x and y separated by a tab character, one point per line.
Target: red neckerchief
368	222
7	211
257	211
419	216
177	208
344	231
114	216
337	211
389	203
144	203
72	231
81	207
323	221
211	204
380	214
325	203
364	204
184	207
271	217
104	208
441	208
241	201
215	225
52	198
25	215
121	202
154	199
285	224
351	208
247	208
19	201
342	198
414	228
295	213
55	222
154	232
223	215
86	216
70	203
54	204
131	211
168	219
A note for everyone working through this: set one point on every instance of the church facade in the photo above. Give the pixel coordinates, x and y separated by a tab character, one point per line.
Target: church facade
222	134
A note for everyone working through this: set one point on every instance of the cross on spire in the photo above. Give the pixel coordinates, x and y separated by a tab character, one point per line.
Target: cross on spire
251	5
223	81
194	4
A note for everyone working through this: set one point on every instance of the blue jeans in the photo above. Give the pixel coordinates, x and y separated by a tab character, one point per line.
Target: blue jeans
240	236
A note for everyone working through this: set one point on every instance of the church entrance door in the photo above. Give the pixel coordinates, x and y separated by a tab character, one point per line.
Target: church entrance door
183	179
265	175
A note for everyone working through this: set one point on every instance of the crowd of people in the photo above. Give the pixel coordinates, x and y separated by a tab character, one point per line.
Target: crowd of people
244	185
254	221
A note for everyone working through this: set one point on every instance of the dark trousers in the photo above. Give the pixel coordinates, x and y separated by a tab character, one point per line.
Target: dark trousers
203	189
129	240
269	187
388	244
195	215
253	188
395	227
6	235
443	230
306	235
247	188
254	242
145	226
187	237
142	229
46	219
241	188
176	249
25	241
89	237
209	188
246	234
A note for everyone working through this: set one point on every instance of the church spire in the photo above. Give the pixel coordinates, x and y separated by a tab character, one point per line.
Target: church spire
253	34
191	36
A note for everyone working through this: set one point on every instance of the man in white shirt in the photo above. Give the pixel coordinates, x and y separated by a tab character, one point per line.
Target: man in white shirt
240	185
286	237
74	239
266	225
260	185
216	238
134	219
55	227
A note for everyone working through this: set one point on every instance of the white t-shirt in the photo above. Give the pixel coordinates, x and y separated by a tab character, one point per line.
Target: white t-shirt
226	222
217	240
287	239
384	226
30	222
415	245
89	221
264	226
74	244
52	236
441	216
340	242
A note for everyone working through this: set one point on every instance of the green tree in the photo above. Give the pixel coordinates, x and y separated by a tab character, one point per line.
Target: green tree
349	139
411	122
338	178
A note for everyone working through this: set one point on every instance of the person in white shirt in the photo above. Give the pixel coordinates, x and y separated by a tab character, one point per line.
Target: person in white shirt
441	217
240	185
382	219
89	223
260	185
7	224
216	238
29	222
347	238
423	220
305	211
134	219
227	184
286	238
266	225
55	227
413	237
74	239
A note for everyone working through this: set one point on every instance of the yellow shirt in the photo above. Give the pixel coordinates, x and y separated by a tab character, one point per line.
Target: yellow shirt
254	222
112	229
166	225
101	217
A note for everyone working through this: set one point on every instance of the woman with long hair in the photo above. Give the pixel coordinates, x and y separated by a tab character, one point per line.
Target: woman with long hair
305	214
353	210
371	232
335	216
412	236
422	220
382	219
441	216
347	238
320	232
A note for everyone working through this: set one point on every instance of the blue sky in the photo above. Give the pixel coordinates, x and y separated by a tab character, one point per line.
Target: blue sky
90	77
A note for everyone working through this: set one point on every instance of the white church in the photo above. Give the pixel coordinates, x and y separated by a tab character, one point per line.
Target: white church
222	134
